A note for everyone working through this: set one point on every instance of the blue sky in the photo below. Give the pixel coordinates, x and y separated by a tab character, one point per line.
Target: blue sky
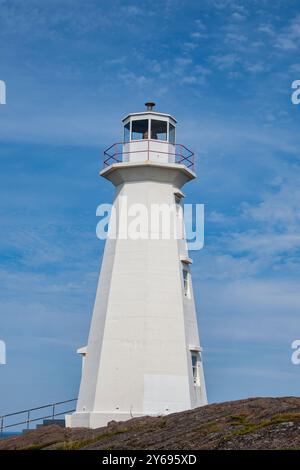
224	68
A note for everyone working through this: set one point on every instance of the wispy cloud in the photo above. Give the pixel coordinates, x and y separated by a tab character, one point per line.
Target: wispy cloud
289	37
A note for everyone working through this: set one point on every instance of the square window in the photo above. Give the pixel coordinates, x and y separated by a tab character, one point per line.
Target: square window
139	129
159	129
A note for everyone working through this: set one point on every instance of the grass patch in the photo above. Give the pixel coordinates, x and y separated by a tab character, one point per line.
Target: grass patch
285	417
211	426
251	427
238	420
248	426
75	445
36	446
163	423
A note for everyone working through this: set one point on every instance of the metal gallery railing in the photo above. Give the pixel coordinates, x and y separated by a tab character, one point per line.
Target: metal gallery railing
29	415
120	152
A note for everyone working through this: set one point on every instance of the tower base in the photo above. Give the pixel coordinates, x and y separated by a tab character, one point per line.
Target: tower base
95	420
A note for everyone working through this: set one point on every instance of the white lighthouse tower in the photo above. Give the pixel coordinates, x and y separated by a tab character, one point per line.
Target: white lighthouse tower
143	355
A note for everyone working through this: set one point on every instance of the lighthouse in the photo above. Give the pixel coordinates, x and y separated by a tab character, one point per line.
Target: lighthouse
143	355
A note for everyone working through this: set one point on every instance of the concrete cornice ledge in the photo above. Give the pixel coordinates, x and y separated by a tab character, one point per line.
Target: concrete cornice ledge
173	173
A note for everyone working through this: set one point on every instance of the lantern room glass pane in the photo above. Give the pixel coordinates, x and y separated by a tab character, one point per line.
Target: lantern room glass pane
159	129
139	129
171	134
127	132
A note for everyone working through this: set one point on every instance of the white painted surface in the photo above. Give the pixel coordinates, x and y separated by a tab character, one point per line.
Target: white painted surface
165	393
154	150
138	359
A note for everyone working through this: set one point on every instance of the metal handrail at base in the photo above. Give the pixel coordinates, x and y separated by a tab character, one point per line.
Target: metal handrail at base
29	419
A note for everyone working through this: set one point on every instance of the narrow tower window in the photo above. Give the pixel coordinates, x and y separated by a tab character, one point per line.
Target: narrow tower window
186	282
177	199
179	217
195	367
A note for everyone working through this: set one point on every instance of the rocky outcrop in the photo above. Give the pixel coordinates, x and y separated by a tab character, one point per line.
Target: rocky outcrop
255	423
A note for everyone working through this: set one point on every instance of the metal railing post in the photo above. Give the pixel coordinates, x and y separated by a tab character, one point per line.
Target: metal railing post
28	418
53	411
2	425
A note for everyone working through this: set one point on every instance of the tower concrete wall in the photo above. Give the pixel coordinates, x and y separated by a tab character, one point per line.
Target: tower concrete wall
144	326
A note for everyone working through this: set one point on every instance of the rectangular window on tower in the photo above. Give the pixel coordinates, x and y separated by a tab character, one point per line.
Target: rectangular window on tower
159	129
179	217
195	367
186	283
139	129
177	199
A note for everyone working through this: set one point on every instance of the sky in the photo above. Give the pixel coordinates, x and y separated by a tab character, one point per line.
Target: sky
224	69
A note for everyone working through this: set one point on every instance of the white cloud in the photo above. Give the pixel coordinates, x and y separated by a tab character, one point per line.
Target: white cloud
250	309
258	67
267	29
279	208
238	16
289	38
295	67
225	61
286	43
217	217
196	35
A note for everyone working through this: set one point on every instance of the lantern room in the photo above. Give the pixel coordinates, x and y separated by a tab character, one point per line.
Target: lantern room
149	125
149	136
